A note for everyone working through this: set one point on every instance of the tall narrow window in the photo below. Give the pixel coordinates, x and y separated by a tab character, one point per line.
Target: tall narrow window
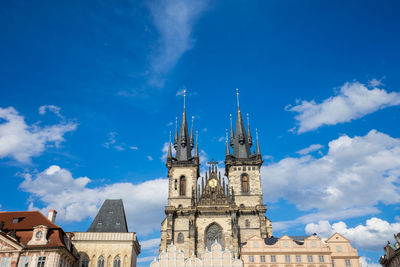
24	261
180	238
100	262
85	261
41	261
175	184
6	262
247	223
117	262
348	263
182	186
245	183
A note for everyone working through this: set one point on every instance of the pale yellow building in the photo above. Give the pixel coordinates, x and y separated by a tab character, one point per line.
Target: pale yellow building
107	243
300	251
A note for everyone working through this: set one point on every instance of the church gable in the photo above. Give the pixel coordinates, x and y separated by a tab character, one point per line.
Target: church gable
214	190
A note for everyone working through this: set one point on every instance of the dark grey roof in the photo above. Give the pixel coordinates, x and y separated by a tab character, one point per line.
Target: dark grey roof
111	217
183	143
240	140
270	240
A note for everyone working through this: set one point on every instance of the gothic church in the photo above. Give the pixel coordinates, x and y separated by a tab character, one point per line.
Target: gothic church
205	210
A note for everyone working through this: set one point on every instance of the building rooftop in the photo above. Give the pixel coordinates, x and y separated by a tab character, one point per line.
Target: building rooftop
111	217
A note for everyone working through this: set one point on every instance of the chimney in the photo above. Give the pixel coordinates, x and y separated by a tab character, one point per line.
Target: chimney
52	215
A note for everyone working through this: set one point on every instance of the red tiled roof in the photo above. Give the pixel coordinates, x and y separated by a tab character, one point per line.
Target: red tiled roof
24	227
29	219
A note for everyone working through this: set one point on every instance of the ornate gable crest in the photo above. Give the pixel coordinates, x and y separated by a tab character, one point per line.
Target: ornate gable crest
214	192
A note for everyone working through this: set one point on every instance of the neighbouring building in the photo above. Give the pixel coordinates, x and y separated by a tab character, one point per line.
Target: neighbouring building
392	253
29	239
107	243
202	210
215	257
299	251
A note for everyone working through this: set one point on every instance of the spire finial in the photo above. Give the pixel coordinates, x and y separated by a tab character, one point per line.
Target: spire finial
237	96
248	120
170	137
256	134
184	98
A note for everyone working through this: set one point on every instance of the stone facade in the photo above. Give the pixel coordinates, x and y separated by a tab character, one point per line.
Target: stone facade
94	246
392	253
228	209
215	257
299	251
107	243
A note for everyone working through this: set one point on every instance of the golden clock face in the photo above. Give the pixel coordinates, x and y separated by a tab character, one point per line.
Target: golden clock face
212	183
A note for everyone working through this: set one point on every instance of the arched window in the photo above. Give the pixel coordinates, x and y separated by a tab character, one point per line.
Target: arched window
182	186
85	261
100	262
213	233
245	183
180	238
117	262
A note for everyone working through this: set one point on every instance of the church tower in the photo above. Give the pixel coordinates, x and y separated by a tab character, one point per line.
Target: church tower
203	210
243	171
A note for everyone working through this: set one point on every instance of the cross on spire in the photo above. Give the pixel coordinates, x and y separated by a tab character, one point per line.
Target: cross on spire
212	162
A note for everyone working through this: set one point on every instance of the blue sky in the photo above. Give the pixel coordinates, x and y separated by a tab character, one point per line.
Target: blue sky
91	89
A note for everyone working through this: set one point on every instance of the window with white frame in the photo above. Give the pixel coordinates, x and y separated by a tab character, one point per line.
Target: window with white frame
321	258
310	258
251	258
339	248
24	261
6	262
298	258
287	258
41	261
262	258
273	258
348	263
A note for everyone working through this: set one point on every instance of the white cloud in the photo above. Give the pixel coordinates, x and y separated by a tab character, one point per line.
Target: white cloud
52	108
180	92
164	151
22	141
146	259
174	19
366	262
350	180
75	200
353	101
134	147
375	83
150	158
309	149
151	243
371	236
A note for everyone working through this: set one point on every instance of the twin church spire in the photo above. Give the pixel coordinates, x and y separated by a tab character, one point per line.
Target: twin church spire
183	142
240	139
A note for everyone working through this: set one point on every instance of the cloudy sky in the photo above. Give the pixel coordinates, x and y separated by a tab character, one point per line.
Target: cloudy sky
90	91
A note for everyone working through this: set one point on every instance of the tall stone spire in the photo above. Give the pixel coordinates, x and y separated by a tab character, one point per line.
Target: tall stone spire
196	152
183	147
176	133
258	152
191	135
240	142
169	155
227	151
248	131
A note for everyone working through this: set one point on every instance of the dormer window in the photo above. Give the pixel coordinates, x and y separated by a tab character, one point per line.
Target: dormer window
17	220
39	235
